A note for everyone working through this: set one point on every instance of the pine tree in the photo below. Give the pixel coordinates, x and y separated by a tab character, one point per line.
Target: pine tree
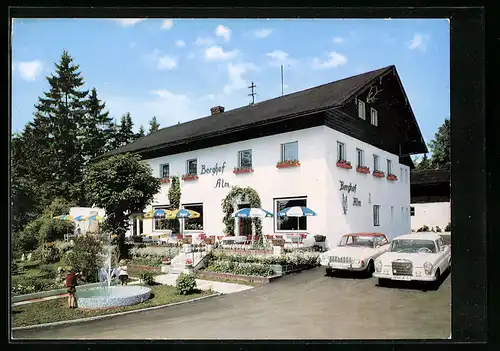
140	133
423	164
96	127
441	146
62	111
125	133
153	125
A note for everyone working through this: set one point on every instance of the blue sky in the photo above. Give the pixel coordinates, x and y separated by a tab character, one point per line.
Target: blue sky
177	69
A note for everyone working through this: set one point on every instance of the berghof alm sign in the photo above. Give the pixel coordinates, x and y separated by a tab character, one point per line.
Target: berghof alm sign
348	188
216	170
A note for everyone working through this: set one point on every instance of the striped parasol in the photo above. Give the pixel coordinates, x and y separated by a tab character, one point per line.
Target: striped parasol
64	217
297	211
93	218
252	213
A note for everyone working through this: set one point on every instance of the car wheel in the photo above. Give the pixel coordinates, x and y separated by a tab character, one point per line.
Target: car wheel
370	269
328	271
435	284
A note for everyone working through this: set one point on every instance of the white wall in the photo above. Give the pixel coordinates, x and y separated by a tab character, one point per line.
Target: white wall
317	178
431	214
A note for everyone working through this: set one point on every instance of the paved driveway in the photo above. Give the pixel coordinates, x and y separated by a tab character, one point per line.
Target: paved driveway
306	305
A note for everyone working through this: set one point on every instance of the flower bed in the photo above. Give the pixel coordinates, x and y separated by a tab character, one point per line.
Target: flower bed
189	177
363	169
239	170
165	180
378	174
344	164
152	256
392	177
286	164
235	277
245	251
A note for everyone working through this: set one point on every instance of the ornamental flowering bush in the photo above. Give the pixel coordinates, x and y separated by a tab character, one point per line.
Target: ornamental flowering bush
294	259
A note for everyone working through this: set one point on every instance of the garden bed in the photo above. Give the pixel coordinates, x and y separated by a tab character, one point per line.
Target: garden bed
57	310
136	270
245	251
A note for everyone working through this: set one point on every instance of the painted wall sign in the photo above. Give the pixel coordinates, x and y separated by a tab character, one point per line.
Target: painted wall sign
215	170
356	202
221	183
347	187
344	203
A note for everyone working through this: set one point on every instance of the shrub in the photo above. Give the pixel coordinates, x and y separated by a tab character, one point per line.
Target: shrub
14	268
438	230
448	227
27	240
47	254
86	256
48	271
148	278
54	229
63	246
425	228
186	284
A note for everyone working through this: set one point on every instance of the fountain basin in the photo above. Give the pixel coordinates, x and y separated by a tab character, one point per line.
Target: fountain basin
114	296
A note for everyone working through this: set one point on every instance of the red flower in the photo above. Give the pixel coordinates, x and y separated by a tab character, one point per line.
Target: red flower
344	164
238	170
288	163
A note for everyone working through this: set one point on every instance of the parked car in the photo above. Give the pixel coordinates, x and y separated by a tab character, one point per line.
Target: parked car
355	252
415	256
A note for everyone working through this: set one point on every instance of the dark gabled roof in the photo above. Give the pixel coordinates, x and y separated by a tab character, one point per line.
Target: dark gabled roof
303	102
430	176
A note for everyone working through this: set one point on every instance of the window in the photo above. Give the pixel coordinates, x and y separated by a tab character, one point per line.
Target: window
290	223
380	240
194	223
375	163
245	159
361	109
412	211
374	116
192	167
376	215
290	151
340	151
162	223
165	170
389	167
392	214
360	158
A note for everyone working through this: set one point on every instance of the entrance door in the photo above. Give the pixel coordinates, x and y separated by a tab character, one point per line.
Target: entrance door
245	223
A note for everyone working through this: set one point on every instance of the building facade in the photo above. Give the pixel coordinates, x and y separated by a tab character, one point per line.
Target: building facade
364	120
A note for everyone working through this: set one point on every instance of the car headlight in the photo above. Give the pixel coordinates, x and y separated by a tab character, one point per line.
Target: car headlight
355	261
428	268
378	265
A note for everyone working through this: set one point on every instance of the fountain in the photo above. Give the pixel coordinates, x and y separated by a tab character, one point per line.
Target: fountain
106	295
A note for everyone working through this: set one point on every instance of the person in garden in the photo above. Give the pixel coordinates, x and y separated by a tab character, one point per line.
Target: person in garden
123	272
71	283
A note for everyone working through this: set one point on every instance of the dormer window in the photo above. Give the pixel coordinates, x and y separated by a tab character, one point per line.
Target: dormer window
361	109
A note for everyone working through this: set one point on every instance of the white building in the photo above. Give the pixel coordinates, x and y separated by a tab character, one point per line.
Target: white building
430	199
365	119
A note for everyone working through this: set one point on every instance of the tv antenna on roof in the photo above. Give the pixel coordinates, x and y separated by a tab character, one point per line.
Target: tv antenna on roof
252	94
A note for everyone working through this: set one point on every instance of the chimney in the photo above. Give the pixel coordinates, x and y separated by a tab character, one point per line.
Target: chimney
217	109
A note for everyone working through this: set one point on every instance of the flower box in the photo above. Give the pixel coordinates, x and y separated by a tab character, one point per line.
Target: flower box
392	177
363	169
378	174
239	170
189	262
286	164
189	177
165	180
344	164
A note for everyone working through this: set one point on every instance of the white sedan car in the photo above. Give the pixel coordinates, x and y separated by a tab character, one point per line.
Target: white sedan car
355	252
416	256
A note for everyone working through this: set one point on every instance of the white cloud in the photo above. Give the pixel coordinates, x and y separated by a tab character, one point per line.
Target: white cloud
224	32
236	73
419	42
262	33
129	22
167	24
338	40
334	60
167	62
216	53
180	43
279	57
28	70
204	41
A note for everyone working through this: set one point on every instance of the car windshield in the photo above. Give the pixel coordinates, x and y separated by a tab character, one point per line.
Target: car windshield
357	240
412	245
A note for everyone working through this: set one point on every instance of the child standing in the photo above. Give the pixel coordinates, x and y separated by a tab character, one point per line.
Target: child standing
123	272
71	283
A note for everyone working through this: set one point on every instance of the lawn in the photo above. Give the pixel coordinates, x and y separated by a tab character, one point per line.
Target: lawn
57	310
